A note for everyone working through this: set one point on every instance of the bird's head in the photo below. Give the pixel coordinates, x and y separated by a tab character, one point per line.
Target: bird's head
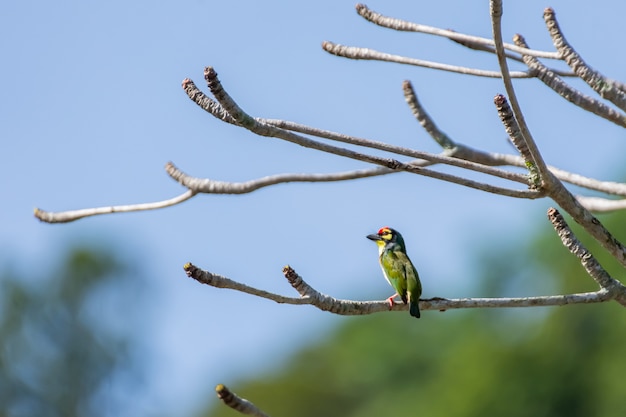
388	238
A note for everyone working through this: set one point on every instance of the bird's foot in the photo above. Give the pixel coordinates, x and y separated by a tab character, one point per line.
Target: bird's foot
390	301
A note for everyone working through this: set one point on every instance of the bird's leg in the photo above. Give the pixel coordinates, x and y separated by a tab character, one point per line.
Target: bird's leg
390	300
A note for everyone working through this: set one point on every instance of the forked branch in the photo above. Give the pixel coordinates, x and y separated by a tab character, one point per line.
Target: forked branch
311	296
454	153
610	288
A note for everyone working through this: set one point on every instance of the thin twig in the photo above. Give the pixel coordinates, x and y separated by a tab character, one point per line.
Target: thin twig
71	215
517	138
209	186
462	151
549	78
589	222
601	205
237	403
511	56
424	119
495	7
598	82
353	52
406	26
206	103
591	265
609	187
427	158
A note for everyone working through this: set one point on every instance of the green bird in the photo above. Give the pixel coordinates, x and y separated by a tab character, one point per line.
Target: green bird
398	268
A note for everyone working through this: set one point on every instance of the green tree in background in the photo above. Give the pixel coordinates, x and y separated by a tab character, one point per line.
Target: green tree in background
67	349
557	362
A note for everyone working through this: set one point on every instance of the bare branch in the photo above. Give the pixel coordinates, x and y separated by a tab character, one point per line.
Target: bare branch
608	187
237	403
517	138
598	82
206	103
461	151
218	281
403	25
455	155
354	308
551	184
209	186
511	56
309	295
451	148
452	151
425	120
495	7
601	205
589	222
353	52
428	158
591	265
540	301
263	129
70	216
568	92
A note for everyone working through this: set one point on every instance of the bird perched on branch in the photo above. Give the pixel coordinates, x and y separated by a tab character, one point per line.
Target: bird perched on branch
398	269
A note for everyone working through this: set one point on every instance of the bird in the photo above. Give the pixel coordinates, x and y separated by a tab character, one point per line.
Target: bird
398	268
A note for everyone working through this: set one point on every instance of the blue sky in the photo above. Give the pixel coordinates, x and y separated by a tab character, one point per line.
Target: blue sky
92	110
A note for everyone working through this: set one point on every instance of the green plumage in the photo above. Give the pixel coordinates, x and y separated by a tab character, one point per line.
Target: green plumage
398	268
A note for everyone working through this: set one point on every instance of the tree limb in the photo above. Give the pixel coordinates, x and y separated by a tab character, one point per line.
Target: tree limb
495	7
601	205
403	25
209	186
598	82
352	52
451	148
591	265
310	296
552	185
568	92
71	215
263	129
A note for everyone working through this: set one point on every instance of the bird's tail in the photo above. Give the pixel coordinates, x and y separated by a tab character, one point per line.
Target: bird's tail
414	309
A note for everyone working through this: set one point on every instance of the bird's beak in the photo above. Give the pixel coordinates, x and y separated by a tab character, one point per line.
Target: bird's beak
373	237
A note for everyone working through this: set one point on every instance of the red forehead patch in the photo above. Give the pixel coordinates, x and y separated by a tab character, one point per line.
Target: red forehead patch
383	230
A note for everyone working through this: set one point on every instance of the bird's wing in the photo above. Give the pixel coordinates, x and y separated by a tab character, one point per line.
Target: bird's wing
412	278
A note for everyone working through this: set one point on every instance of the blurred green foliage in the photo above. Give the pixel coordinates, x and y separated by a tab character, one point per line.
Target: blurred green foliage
68	346
563	361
